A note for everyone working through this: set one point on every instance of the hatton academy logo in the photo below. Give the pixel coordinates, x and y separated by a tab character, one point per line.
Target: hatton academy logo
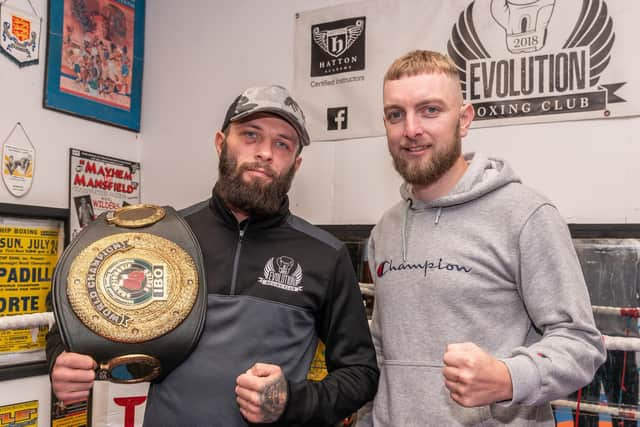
529	76
337	46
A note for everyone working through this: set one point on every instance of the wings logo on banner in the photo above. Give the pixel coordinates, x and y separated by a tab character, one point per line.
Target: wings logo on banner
531	82
519	62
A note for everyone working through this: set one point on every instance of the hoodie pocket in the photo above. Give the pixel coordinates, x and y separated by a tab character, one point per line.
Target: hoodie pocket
412	393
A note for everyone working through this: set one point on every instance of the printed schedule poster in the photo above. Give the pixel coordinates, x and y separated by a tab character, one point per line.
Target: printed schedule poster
29	250
99	183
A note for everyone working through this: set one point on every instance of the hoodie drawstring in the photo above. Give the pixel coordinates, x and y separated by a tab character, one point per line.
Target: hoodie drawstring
404	230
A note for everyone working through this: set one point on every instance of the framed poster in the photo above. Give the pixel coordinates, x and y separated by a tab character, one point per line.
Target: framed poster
99	183
95	53
31	241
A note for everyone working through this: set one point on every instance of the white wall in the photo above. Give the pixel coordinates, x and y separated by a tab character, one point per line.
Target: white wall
200	56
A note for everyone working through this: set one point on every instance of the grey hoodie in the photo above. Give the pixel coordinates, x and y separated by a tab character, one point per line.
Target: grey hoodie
491	263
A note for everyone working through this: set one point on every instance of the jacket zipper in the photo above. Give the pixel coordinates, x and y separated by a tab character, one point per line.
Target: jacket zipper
236	259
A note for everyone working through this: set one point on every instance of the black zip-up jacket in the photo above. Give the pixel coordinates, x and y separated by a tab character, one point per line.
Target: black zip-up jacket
275	286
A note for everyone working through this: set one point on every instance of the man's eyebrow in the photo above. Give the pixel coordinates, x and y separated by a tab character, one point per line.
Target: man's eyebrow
250	125
438	101
390	106
421	103
290	137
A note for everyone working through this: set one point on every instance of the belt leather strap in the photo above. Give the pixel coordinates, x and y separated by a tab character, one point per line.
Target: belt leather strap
132	283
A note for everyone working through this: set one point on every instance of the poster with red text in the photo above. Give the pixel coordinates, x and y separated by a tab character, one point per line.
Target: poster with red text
99	183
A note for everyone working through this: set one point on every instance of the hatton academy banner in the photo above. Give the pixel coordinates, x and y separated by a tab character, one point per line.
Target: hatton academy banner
519	62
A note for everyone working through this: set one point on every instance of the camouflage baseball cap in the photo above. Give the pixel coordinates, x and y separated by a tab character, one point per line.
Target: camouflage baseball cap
268	99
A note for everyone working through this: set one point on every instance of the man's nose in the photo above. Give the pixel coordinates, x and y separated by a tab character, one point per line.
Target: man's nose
264	150
412	126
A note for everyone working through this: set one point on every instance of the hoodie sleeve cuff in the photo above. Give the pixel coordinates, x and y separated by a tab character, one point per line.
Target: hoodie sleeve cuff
525	380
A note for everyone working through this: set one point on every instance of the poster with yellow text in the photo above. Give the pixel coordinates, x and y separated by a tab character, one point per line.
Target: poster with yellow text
29	250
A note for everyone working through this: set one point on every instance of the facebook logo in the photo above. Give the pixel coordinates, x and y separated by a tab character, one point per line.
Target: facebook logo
337	118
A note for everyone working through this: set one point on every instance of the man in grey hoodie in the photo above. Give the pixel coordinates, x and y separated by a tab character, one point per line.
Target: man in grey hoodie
482	315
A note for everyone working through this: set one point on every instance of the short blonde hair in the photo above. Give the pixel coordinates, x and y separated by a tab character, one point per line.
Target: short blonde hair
421	62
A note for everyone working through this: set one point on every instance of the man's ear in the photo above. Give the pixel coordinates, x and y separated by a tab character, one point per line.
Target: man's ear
219	139
297	163
467	113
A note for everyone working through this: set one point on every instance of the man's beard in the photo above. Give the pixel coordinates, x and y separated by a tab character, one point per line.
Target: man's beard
424	174
254	197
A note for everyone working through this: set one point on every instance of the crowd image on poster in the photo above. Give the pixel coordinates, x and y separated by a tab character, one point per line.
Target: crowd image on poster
95	54
97	51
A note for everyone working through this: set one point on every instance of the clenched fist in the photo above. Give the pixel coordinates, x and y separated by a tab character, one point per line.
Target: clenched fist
72	376
261	393
474	377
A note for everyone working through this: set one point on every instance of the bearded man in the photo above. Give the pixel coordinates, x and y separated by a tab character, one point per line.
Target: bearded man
276	285
481	314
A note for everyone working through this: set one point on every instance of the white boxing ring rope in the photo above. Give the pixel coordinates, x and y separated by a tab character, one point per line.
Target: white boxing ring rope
367	289
614	411
617	311
27	321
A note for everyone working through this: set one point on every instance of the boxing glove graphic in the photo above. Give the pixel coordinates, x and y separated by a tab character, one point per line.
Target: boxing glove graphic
524	22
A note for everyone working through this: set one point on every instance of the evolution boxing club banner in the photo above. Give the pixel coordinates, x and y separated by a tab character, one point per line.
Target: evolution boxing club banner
519	62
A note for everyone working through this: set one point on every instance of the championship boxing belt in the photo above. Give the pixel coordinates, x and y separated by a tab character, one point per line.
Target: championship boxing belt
130	291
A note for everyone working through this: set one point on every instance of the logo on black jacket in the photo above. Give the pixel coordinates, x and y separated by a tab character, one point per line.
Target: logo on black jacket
536	67
282	272
338	46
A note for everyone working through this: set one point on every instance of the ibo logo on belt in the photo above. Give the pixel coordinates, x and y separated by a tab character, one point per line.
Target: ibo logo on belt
135	281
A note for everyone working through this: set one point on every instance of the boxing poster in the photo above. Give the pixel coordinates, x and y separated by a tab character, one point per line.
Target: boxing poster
23	413
29	251
95	55
543	61
99	183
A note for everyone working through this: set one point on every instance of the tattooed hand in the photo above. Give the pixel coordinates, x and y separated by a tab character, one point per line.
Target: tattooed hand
261	393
